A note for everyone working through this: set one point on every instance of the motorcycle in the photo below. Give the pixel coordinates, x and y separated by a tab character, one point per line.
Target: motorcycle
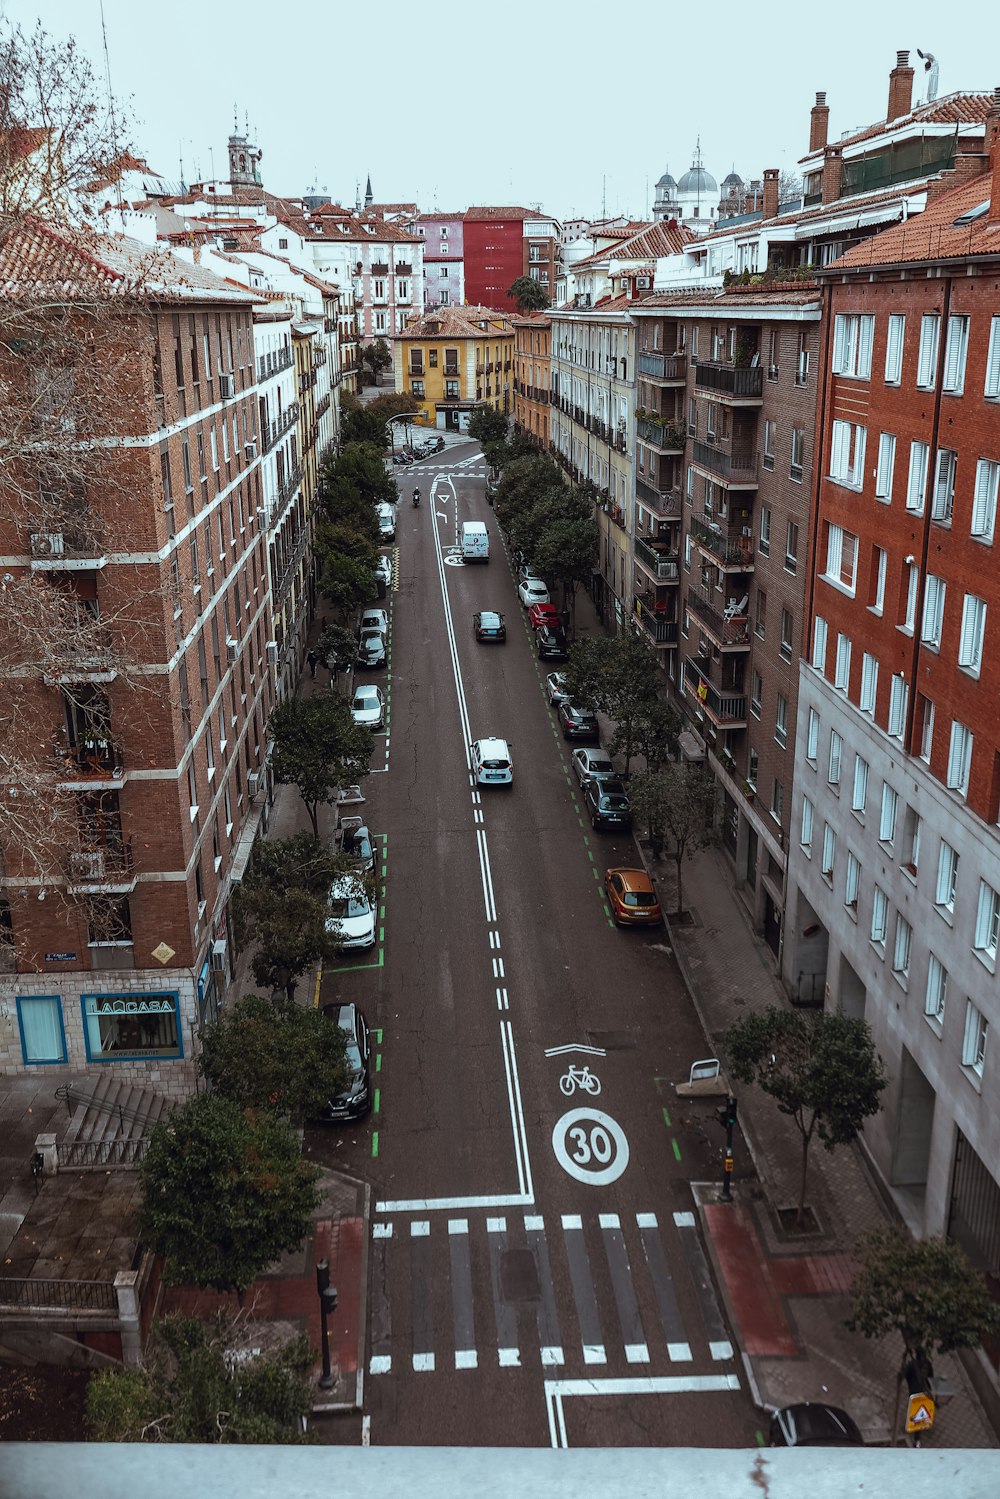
416	497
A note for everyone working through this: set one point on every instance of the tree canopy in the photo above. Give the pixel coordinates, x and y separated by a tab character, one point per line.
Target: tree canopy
280	908
225	1191
486	424
358	469
677	802
529	294
317	747
376	357
274	1054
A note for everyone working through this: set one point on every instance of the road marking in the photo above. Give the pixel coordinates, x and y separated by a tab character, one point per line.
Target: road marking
558	1051
381	1230
420	1230
366	1431
374	1143
558	1390
592	1337
721	1350
684	1220
676	1150
423	1363
645	1220
590	1146
380	1363
456	1204
466	1358
498	972
378	1099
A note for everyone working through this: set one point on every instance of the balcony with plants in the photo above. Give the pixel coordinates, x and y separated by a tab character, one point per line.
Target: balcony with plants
659	558
729	626
664	433
730	550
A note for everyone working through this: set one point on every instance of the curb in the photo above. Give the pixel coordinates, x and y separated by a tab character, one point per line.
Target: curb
359	1389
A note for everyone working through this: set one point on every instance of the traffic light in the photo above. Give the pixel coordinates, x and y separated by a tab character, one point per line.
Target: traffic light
726	1113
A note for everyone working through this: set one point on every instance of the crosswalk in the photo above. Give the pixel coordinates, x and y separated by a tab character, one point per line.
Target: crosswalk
563	1292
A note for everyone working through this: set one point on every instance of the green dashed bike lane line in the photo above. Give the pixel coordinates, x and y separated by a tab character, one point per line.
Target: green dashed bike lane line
675	1147
378	1092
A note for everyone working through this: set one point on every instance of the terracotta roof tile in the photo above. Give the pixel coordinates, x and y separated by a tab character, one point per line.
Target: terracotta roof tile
959	108
933	234
455	322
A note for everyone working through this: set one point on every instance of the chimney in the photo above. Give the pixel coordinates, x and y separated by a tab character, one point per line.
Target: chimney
900	88
819	123
770	192
992	124
833	169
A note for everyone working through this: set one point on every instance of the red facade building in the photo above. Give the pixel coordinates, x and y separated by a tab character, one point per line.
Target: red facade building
494	249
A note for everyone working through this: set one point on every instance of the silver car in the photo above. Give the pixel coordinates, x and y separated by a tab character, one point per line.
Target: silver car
368	707
591	764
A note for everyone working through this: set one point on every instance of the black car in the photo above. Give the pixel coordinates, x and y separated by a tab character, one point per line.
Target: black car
577	722
551	643
809	1425
489	625
608	804
355	1100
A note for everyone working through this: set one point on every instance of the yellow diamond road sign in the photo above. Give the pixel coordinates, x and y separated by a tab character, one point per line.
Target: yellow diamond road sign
920	1413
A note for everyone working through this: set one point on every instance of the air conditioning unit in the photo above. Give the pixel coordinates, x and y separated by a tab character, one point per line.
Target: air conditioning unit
87	866
227	387
47	544
772	372
217	956
232	649
253	783
250	451
748	531
643	283
272	652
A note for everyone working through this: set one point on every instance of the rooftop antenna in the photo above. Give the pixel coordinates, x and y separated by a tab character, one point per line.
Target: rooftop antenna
604	197
111	108
180	159
236	119
211	161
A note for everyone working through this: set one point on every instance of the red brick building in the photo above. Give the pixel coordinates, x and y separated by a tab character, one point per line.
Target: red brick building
148	739
501	244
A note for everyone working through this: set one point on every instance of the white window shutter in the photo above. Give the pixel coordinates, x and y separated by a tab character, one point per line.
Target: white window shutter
928	351
954	354
866	335
985	497
886	463
992	387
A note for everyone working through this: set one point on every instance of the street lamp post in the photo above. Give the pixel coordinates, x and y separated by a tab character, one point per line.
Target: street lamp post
401	416
327	1306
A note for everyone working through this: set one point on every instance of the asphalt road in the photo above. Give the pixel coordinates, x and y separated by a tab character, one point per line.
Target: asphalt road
537	1276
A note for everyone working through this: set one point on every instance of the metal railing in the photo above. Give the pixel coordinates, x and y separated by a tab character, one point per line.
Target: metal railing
730	551
662	434
662	564
728	629
93	1155
739	467
663	366
722	706
666	502
102	864
660	631
273	363
279	426
99	759
70	1094
731	380
82	1295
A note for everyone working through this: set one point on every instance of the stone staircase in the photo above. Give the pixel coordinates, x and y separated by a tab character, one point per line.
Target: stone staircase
110	1124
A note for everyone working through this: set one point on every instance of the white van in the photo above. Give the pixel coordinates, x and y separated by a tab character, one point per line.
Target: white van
475	541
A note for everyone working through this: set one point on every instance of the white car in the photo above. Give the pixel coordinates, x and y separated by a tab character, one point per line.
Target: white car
592	764
555	686
491	762
368	707
532	591
351	916
383	570
374	619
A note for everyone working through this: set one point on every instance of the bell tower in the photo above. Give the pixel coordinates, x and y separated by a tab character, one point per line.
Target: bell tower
244	160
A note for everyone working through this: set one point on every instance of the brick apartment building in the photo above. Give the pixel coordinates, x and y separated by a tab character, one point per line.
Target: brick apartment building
532	351
147	752
894	874
501	244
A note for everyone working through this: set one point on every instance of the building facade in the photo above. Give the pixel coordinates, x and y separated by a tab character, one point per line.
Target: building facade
444	257
453	360
532	361
495	252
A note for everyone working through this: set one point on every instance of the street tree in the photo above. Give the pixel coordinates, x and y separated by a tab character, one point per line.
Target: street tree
274	1054
280	909
617	675
225	1191
487	424
318	748
925	1290
376	358
345	583
358	469
565	544
337	647
678	805
360	423
656	728
392	403
529	294
821	1068
205	1382
523	482
341	539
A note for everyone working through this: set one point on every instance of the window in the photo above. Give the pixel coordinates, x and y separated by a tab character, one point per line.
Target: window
117	1027
925	711
885	467
791	547
787	632
812	736
880	916
991	389
902	943
765	530
869	684
41	1025
806	834
841	557
761	614
927	355
974	1042
876	587
899	694
769	428
852	888
943	498
842	668
859	795
852	345
829	852
798	450
910	856
887	817
987	922
984	501
959	758
912	577
847	453
955	349
894	349
916	484
802	360
417	389
819	644
773	346
934	592
970	647
781	721
836	756
777	799
937	990
947	877
756	693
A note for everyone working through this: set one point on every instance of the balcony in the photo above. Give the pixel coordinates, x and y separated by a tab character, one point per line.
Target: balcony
737	469
661	632
670	369
91	764
729	629
282	423
107	867
659	561
741	384
726	709
65	551
273	363
666	437
665	502
729	553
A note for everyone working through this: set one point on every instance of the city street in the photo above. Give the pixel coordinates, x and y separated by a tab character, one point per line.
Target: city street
536	1273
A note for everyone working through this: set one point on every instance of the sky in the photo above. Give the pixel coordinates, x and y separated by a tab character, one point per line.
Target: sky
577	110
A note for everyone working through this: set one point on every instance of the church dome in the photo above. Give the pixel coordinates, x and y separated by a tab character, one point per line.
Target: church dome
697	180
666	181
733	180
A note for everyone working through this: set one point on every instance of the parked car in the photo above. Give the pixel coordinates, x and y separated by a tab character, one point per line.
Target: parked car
532	591
383	569
374	619
353	1101
439	444
550	642
491	762
577	722
368	707
590	763
350	917
809	1425
358	846
543	614
632	898
371	650
387	528
608	804
489	625
555	686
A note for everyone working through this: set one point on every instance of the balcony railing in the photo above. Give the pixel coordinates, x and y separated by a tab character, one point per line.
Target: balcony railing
728	551
663	366
104	866
80	1295
660	631
727	627
742	383
660	562
739	467
65	551
665	502
662	434
281	424
273	363
725	708
288	486
91	761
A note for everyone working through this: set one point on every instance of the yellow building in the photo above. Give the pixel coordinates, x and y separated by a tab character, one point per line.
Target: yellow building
532	351
454	359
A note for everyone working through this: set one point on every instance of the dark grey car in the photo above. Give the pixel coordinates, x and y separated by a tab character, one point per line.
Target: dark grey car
355	1100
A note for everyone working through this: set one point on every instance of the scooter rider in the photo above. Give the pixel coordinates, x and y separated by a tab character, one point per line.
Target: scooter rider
416	497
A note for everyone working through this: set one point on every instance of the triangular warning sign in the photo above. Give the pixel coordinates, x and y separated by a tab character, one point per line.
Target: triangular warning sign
920	1413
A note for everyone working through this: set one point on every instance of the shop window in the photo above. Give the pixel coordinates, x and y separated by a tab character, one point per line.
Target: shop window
119	1026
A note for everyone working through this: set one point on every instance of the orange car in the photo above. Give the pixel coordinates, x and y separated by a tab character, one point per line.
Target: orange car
632	898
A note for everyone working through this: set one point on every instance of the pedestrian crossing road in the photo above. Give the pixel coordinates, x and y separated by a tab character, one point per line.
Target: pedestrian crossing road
563	1291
